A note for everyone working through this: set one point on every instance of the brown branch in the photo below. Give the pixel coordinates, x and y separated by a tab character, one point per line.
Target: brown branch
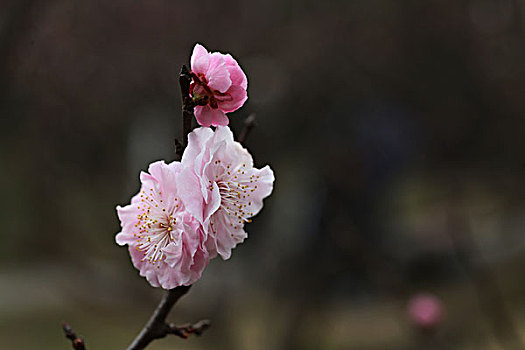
78	343
157	327
249	124
187	107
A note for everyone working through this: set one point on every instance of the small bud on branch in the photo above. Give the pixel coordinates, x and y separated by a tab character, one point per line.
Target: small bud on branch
78	343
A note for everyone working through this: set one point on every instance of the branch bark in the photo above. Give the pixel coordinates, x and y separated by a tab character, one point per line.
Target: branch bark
187	108
156	327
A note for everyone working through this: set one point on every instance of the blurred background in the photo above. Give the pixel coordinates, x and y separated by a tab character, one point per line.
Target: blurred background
395	130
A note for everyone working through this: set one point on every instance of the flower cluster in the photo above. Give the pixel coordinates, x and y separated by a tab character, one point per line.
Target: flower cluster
188	212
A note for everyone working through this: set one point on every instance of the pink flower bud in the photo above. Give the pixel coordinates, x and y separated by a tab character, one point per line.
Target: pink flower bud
218	87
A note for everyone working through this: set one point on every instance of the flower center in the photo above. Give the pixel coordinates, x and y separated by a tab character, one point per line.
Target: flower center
235	188
156	225
203	95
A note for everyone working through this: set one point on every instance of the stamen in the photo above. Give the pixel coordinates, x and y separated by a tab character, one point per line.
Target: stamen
154	227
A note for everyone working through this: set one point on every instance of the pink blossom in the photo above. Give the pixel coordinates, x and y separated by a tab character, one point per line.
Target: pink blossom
425	310
220	187
218	87
165	242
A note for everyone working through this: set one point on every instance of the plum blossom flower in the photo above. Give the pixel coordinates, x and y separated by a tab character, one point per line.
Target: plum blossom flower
165	242
220	187
425	311
218	87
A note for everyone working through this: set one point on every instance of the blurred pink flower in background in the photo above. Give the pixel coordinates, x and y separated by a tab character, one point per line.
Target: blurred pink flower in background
165	242
218	87
220	187
425	311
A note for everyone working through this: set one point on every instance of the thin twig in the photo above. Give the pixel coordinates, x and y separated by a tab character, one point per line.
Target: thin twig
249	124
78	343
185	331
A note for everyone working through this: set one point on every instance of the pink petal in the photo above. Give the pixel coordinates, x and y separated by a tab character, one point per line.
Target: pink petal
183	255
146	178
214	202
165	175
228	235
173	253
234	99
190	193
196	142
200	59
204	160
219	118
124	238
234	153
146	270
197	228
191	239
223	134
204	115
264	189
128	218
211	243
156	170
201	260
237	76
218	75
170	278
